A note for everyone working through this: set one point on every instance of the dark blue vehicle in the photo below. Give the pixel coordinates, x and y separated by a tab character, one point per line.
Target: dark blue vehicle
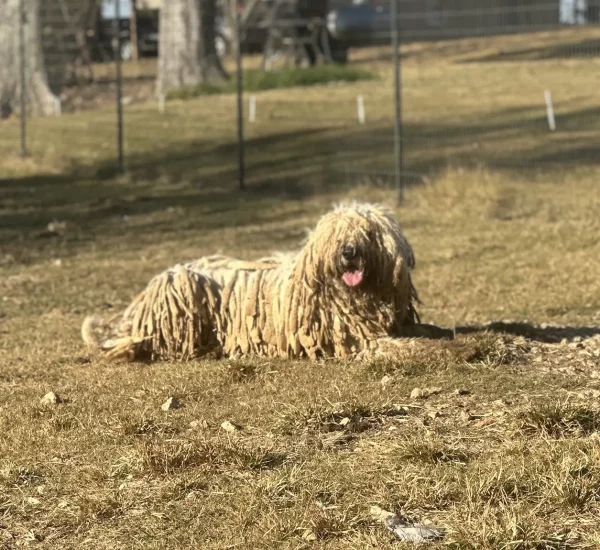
356	25
368	23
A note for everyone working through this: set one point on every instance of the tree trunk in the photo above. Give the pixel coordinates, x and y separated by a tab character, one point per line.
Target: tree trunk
40	99
231	11
133	32
187	52
76	19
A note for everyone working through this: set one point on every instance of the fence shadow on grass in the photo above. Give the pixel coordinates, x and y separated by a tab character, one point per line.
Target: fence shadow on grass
201	176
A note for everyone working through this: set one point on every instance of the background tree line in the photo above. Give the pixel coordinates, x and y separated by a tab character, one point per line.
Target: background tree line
187	52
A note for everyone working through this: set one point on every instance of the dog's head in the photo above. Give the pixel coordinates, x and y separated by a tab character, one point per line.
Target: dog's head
358	248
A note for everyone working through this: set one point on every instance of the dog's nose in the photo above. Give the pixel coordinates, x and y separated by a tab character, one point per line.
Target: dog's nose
349	252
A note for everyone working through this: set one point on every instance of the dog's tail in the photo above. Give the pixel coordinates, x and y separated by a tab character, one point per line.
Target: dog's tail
91	330
175	316
99	335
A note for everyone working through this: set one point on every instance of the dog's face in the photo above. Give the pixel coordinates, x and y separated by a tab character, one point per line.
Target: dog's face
350	259
358	248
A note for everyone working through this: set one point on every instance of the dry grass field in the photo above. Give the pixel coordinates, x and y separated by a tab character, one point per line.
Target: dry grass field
502	449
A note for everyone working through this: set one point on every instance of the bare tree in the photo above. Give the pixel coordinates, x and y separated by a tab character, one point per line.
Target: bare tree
40	98
187	50
76	19
231	8
133	31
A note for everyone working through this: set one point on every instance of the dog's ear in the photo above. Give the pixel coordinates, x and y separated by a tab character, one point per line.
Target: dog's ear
398	273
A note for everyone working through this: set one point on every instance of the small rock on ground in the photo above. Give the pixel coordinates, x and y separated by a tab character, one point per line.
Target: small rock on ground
424	393
171	403
417	393
406	531
50	399
230	426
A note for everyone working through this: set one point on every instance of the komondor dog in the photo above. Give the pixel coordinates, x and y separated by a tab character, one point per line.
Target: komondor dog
345	291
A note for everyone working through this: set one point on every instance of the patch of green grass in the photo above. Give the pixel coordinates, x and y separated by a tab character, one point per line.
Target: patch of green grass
256	80
560	419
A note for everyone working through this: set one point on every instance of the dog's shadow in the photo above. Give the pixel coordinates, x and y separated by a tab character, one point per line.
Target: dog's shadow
543	333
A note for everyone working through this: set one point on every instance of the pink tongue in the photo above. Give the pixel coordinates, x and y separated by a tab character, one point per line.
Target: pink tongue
353	278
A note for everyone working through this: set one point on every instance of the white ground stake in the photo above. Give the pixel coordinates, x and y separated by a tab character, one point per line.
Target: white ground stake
161	103
252	109
550	110
360	104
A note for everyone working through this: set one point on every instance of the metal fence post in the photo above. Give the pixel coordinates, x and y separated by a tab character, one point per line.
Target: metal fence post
398	166
240	102
23	80
119	45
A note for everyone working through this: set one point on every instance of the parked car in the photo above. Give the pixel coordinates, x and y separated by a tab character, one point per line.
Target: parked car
368	22
360	24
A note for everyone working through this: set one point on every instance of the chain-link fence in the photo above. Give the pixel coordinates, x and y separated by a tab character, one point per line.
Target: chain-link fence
507	84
